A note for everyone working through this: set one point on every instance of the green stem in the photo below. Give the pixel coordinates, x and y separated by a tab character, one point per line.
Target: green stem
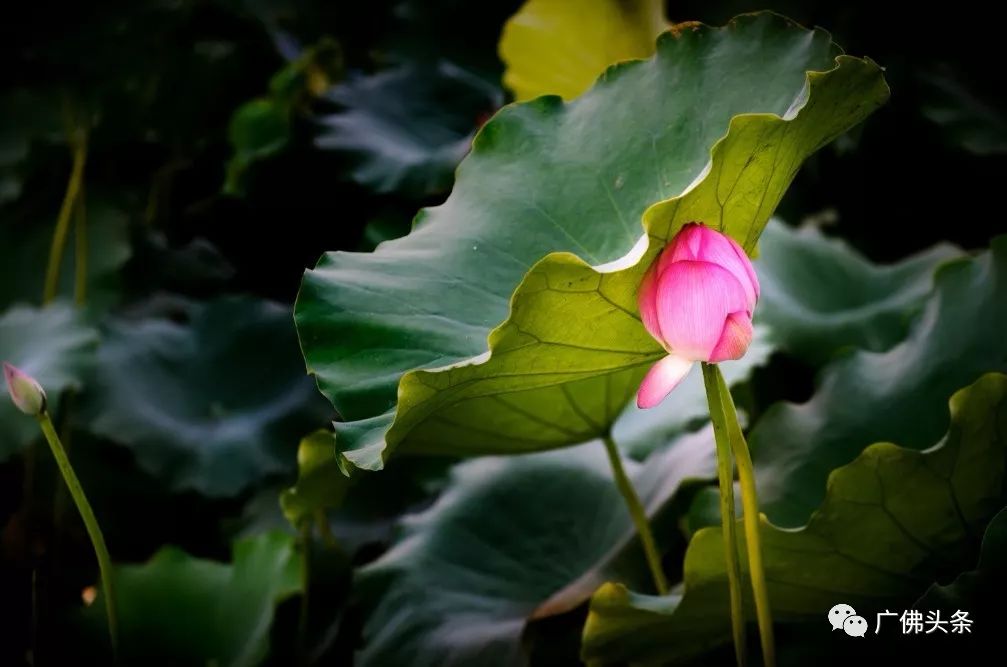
638	514
80	251
63	221
60	494
753	541
90	522
725	471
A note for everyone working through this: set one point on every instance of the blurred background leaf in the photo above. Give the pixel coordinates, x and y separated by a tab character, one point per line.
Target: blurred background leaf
207	402
108	250
893	521
510	540
321	484
57	347
398	131
895	396
180	610
819	295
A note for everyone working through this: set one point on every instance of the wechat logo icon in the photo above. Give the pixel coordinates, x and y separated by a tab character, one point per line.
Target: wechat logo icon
844	617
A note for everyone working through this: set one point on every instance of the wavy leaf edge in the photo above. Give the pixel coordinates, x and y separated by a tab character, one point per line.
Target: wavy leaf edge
371	456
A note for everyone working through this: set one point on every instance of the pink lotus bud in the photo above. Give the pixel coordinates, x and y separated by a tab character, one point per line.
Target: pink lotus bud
27	394
697	299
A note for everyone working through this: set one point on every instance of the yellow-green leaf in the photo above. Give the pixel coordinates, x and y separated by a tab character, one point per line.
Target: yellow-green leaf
560	47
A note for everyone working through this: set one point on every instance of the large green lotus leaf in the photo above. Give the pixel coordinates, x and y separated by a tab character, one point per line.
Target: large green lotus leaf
820	295
896	396
548	177
55	346
108	249
891	522
511	539
214	404
180	610
557	47
398	130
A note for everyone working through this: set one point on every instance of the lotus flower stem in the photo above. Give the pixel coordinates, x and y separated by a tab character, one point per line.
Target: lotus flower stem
752	519
638	514
90	522
725	472
80	251
79	144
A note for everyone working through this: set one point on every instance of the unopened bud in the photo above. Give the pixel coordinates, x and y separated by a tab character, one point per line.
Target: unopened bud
25	391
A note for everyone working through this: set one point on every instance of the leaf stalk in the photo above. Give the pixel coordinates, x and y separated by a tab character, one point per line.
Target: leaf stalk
638	514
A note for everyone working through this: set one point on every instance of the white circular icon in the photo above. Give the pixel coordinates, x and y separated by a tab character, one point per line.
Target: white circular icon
839	614
855	626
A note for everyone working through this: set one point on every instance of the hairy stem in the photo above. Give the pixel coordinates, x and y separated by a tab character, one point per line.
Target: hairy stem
753	541
725	473
638	514
90	523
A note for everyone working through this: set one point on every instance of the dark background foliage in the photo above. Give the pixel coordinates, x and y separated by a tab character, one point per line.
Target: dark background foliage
232	137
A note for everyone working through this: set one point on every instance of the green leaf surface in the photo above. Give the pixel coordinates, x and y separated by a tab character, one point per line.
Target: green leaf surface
819	295
574	180
556	47
473	569
213	404
897	395
321	483
108	250
395	127
180	610
54	345
891	522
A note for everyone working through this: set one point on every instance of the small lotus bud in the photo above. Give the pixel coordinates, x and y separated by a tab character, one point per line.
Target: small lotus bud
25	391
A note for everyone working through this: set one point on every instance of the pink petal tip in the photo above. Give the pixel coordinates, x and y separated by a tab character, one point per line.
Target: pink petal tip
661	379
734	339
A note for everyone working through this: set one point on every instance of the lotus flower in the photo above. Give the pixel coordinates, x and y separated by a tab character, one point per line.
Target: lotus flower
25	391
697	301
